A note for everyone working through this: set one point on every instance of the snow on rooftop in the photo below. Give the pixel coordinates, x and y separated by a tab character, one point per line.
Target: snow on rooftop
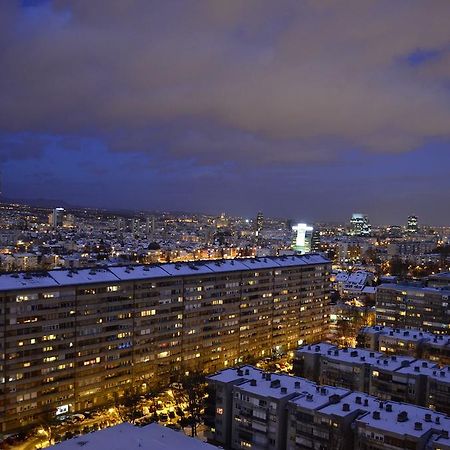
83	276
18	281
129	437
276	385
353	355
401	418
226	265
410	288
138	272
393	362
420	367
321	348
318	396
179	269
25	280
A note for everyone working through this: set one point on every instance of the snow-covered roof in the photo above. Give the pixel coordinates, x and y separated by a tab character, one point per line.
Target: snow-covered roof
129	437
67	277
138	272
19	281
83	276
405	423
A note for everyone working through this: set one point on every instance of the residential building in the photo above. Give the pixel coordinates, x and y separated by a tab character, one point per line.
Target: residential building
252	409
76	339
410	306
388	377
402	341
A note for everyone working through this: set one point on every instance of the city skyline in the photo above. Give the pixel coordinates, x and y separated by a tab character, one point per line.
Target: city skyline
321	109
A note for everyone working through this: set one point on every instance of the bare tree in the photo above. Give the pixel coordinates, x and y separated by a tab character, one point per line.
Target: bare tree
191	391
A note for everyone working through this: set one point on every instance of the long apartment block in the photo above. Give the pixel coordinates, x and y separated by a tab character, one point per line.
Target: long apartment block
72	340
410	306
388	377
402	341
251	409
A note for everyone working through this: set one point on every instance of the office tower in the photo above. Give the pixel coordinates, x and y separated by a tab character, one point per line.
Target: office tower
315	241
75	339
120	225
359	225
259	223
56	217
405	306
150	226
303	237
412	226
135	226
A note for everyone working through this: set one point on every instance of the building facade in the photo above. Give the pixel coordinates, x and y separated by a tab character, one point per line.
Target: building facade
76	339
405	306
387	377
251	409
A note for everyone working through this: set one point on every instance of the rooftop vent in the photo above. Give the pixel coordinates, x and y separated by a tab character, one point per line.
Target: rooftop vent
366	402
416	369
418	426
252	382
427	417
309	397
297	385
376	415
275	384
402	416
240	372
345	407
284	390
389	407
358	400
247	372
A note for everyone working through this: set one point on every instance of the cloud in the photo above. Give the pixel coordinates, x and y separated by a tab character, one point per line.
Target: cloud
295	82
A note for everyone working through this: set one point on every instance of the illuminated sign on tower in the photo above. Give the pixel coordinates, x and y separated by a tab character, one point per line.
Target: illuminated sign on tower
302	242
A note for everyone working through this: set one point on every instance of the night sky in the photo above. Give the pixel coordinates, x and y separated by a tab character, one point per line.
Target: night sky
304	109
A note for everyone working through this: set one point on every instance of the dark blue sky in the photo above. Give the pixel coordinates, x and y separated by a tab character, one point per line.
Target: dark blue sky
310	110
